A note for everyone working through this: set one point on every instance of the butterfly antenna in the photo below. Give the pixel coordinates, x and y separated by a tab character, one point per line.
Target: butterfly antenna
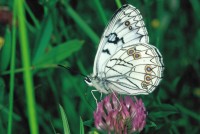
71	70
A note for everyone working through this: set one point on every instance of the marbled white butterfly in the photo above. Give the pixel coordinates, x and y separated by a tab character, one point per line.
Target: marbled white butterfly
125	62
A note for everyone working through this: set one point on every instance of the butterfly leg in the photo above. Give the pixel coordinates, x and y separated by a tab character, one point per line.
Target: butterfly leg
101	96
117	100
94	96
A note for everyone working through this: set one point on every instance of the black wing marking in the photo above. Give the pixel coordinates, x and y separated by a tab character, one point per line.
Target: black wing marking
112	38
106	51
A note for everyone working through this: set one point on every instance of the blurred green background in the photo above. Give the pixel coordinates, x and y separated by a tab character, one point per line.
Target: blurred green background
37	35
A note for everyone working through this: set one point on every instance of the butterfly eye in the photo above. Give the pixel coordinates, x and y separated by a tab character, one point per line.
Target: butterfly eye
148	69
88	81
130	28
131	52
136	56
147	78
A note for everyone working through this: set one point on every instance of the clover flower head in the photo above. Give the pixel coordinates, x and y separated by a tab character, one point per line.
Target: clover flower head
128	116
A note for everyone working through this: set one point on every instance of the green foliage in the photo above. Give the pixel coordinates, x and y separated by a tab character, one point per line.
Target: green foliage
47	33
42	38
59	53
64	120
6	51
81	127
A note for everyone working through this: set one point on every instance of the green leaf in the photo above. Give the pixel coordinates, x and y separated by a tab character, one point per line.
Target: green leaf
161	114
5	53
88	123
165	107
81	126
43	38
64	120
150	124
60	52
162	110
188	112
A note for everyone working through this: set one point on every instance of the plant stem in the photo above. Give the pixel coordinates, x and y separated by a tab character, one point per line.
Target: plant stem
26	64
12	71
101	12
118	2
19	70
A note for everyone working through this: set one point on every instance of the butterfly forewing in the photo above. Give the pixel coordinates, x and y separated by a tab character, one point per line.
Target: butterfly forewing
125	28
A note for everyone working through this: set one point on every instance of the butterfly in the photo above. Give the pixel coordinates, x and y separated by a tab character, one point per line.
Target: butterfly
125	62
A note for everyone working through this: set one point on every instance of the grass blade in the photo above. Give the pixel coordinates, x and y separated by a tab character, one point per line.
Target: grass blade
118	2
101	12
84	26
43	38
64	120
33	18
81	126
26	64
12	71
54	131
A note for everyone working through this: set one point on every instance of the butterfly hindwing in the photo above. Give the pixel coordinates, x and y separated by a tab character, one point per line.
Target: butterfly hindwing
136	69
125	28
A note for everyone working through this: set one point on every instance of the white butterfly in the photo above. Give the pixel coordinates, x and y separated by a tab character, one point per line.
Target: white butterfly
125	63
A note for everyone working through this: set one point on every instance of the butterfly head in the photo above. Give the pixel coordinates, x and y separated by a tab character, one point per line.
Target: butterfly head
88	80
